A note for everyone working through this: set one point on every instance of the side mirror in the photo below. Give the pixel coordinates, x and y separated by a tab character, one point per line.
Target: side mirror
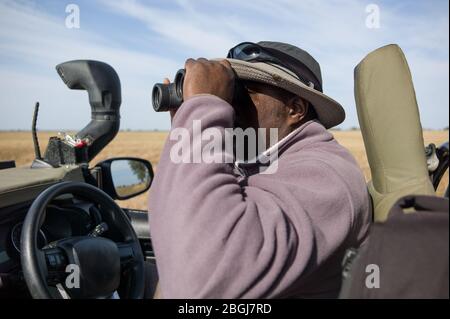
125	177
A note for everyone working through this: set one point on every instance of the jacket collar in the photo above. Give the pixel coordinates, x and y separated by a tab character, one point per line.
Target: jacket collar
271	155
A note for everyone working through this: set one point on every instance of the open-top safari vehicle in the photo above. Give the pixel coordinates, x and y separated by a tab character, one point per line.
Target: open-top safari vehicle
59	220
62	212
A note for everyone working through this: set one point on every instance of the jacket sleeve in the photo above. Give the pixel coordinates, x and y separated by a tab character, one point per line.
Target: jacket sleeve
214	238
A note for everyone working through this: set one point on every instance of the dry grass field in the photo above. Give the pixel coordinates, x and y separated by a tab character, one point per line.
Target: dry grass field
18	146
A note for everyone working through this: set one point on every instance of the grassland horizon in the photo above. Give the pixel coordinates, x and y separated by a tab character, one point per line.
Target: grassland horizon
18	146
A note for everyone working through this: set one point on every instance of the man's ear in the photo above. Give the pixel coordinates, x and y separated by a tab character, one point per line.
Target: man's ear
298	109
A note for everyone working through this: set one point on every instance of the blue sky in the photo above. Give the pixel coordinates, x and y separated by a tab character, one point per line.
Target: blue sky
148	40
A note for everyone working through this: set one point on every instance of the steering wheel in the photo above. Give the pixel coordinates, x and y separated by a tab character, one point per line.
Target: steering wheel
100	264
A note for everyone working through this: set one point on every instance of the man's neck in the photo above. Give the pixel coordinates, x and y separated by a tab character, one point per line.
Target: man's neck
283	132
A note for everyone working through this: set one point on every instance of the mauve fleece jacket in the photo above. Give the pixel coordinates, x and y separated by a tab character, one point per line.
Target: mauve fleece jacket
220	235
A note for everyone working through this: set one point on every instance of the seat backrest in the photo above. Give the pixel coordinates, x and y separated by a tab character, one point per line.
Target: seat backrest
407	255
390	124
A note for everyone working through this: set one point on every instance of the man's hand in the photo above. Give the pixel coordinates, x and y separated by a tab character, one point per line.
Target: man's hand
208	77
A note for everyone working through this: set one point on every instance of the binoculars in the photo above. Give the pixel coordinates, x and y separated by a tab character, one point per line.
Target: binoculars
168	96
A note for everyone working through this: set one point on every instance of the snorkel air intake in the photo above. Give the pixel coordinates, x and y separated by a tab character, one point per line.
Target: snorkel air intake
102	83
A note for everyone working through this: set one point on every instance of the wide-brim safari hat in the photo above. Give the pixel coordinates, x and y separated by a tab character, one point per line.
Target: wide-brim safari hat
329	112
288	67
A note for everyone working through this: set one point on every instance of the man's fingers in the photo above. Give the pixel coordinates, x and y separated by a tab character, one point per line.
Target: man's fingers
166	81
208	77
188	62
225	63
227	66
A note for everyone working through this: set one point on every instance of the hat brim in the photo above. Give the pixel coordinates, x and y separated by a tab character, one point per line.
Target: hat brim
329	112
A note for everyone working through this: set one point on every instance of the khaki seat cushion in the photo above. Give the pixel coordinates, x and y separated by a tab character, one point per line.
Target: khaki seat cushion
391	128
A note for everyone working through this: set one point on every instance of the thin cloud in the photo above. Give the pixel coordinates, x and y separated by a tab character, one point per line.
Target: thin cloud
38	42
333	31
32	42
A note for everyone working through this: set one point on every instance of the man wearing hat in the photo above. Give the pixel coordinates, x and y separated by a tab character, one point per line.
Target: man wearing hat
220	231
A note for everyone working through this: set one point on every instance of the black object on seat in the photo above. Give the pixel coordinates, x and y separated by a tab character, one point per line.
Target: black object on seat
407	256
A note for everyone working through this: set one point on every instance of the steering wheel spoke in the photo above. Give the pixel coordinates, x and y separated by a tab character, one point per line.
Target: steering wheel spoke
99	259
127	254
55	265
55	259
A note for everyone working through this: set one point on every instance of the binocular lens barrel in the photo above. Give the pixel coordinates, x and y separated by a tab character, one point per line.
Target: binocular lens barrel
168	96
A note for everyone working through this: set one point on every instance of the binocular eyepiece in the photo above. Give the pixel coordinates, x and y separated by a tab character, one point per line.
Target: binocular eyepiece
168	96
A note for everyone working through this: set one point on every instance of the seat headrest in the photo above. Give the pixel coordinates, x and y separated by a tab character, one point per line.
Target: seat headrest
390	124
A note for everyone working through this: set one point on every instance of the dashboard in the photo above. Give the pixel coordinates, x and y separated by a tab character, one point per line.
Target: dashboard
64	218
